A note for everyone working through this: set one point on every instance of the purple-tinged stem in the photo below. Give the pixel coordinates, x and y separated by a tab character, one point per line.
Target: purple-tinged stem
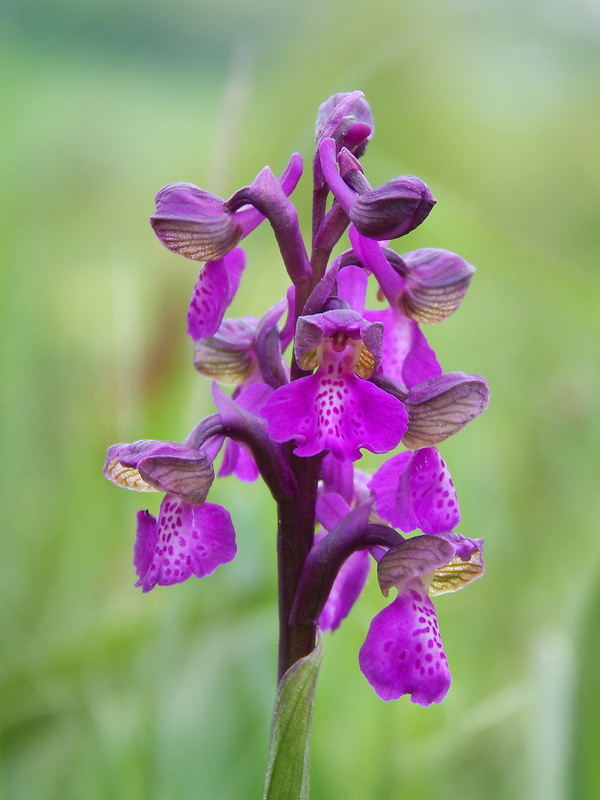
295	538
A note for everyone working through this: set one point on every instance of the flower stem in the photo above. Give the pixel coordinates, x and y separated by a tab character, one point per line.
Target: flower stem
295	537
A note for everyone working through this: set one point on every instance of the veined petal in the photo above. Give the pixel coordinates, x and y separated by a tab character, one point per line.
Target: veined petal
150	465
466	566
392	210
194	223
436	283
188	540
447	558
340	415
229	356
403	651
442	406
414	558
124	475
187	474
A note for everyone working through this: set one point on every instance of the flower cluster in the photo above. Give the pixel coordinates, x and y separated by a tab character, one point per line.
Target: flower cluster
356	378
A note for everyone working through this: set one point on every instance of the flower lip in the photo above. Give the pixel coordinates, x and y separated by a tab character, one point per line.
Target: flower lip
185	540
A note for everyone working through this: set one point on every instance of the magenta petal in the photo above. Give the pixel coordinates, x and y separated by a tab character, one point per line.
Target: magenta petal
145	542
421	363
407	357
235	263
209	300
340	415
426	489
214	290
239	462
352	286
338	477
190	540
348	585
403	651
330	509
384	484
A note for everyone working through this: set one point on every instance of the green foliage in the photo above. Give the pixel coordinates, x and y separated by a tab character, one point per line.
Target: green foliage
288	762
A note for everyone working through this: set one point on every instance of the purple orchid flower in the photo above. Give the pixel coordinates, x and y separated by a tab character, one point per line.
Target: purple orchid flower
190	536
403	652
357	379
334	409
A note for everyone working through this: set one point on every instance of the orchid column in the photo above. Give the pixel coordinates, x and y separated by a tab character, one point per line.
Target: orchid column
356	379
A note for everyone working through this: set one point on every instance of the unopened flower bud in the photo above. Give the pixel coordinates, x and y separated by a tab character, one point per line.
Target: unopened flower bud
392	210
194	223
347	118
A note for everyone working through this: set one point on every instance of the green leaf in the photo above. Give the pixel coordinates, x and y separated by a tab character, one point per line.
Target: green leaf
288	761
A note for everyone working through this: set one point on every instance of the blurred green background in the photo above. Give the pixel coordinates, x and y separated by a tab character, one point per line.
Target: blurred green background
106	693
